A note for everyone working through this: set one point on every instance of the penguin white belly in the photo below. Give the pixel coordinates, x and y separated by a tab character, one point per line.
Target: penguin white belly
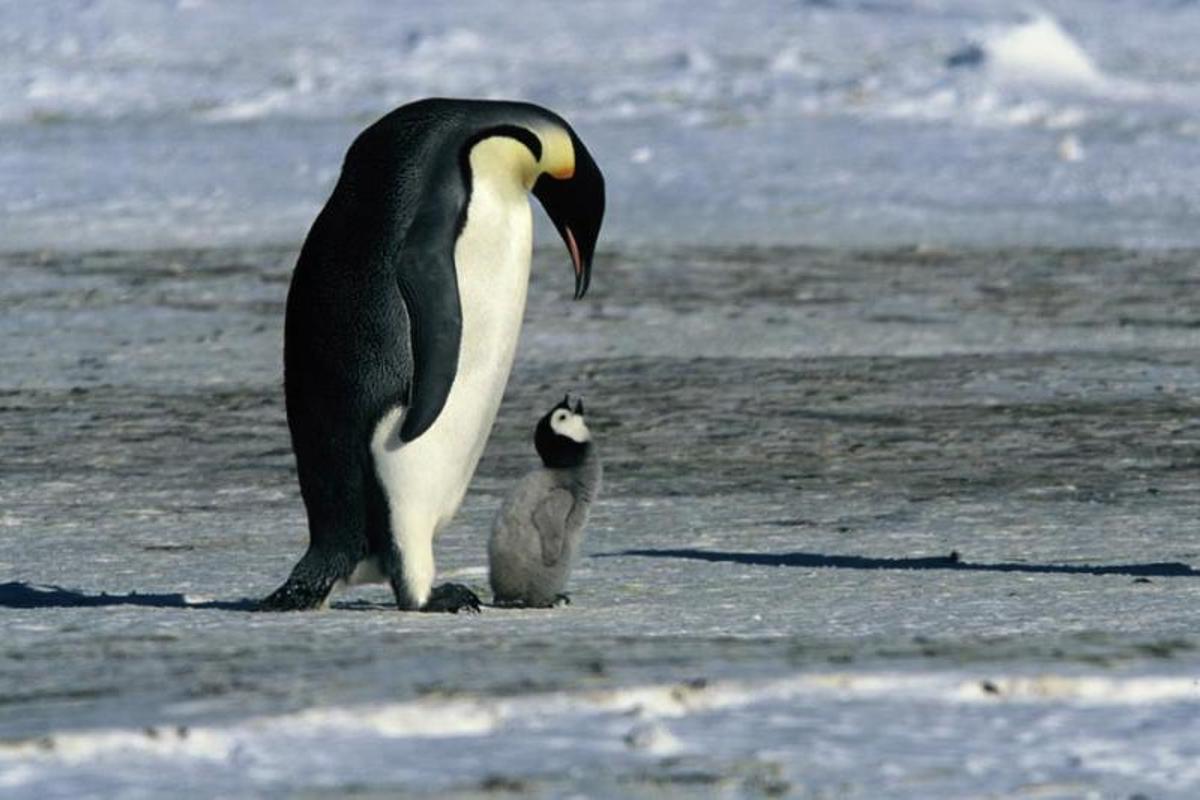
425	479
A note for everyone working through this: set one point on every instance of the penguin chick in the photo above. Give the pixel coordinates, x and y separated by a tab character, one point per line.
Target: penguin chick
539	529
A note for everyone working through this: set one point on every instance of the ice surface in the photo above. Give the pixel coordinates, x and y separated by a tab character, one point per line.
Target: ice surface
775	734
886	523
124	124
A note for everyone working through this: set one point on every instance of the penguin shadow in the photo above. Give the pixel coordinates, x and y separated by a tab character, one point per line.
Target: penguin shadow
1162	569
484	605
17	594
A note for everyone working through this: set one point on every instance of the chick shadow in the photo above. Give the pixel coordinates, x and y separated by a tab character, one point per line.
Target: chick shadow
17	594
952	562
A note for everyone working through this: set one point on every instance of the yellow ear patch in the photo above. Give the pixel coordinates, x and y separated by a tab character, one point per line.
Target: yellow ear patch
558	154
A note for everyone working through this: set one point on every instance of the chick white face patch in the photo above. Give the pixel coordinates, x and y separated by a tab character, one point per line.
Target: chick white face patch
571	425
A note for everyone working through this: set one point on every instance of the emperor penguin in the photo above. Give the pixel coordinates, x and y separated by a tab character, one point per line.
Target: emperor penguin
539	529
401	326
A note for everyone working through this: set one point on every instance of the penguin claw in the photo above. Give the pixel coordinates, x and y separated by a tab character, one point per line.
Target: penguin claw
452	598
292	597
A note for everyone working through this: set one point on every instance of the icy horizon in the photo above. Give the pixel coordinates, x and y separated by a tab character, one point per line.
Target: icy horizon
126	125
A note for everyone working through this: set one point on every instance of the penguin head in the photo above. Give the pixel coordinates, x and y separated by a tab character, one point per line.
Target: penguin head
552	163
532	145
571	190
562	437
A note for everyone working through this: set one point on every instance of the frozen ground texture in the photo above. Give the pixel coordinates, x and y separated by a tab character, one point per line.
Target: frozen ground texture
849	122
896	523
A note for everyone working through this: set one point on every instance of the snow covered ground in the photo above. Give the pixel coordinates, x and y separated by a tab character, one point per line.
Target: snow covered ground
930	541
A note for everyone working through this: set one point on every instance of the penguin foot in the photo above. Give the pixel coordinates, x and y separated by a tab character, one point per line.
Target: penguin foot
311	582
294	596
452	598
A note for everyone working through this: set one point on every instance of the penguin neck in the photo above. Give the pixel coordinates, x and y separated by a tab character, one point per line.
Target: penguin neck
580	461
582	478
506	163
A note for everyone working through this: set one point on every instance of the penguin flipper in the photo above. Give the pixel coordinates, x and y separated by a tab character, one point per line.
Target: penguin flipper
429	287
550	518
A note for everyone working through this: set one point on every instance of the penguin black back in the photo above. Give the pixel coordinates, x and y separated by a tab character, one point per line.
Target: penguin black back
401	200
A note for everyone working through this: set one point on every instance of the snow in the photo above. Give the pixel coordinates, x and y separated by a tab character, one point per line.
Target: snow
1039	51
127	125
797	723
925	542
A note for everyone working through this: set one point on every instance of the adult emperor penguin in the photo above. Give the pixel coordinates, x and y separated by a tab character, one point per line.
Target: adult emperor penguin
401	326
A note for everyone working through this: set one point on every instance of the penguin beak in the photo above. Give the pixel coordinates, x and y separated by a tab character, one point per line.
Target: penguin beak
576	207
